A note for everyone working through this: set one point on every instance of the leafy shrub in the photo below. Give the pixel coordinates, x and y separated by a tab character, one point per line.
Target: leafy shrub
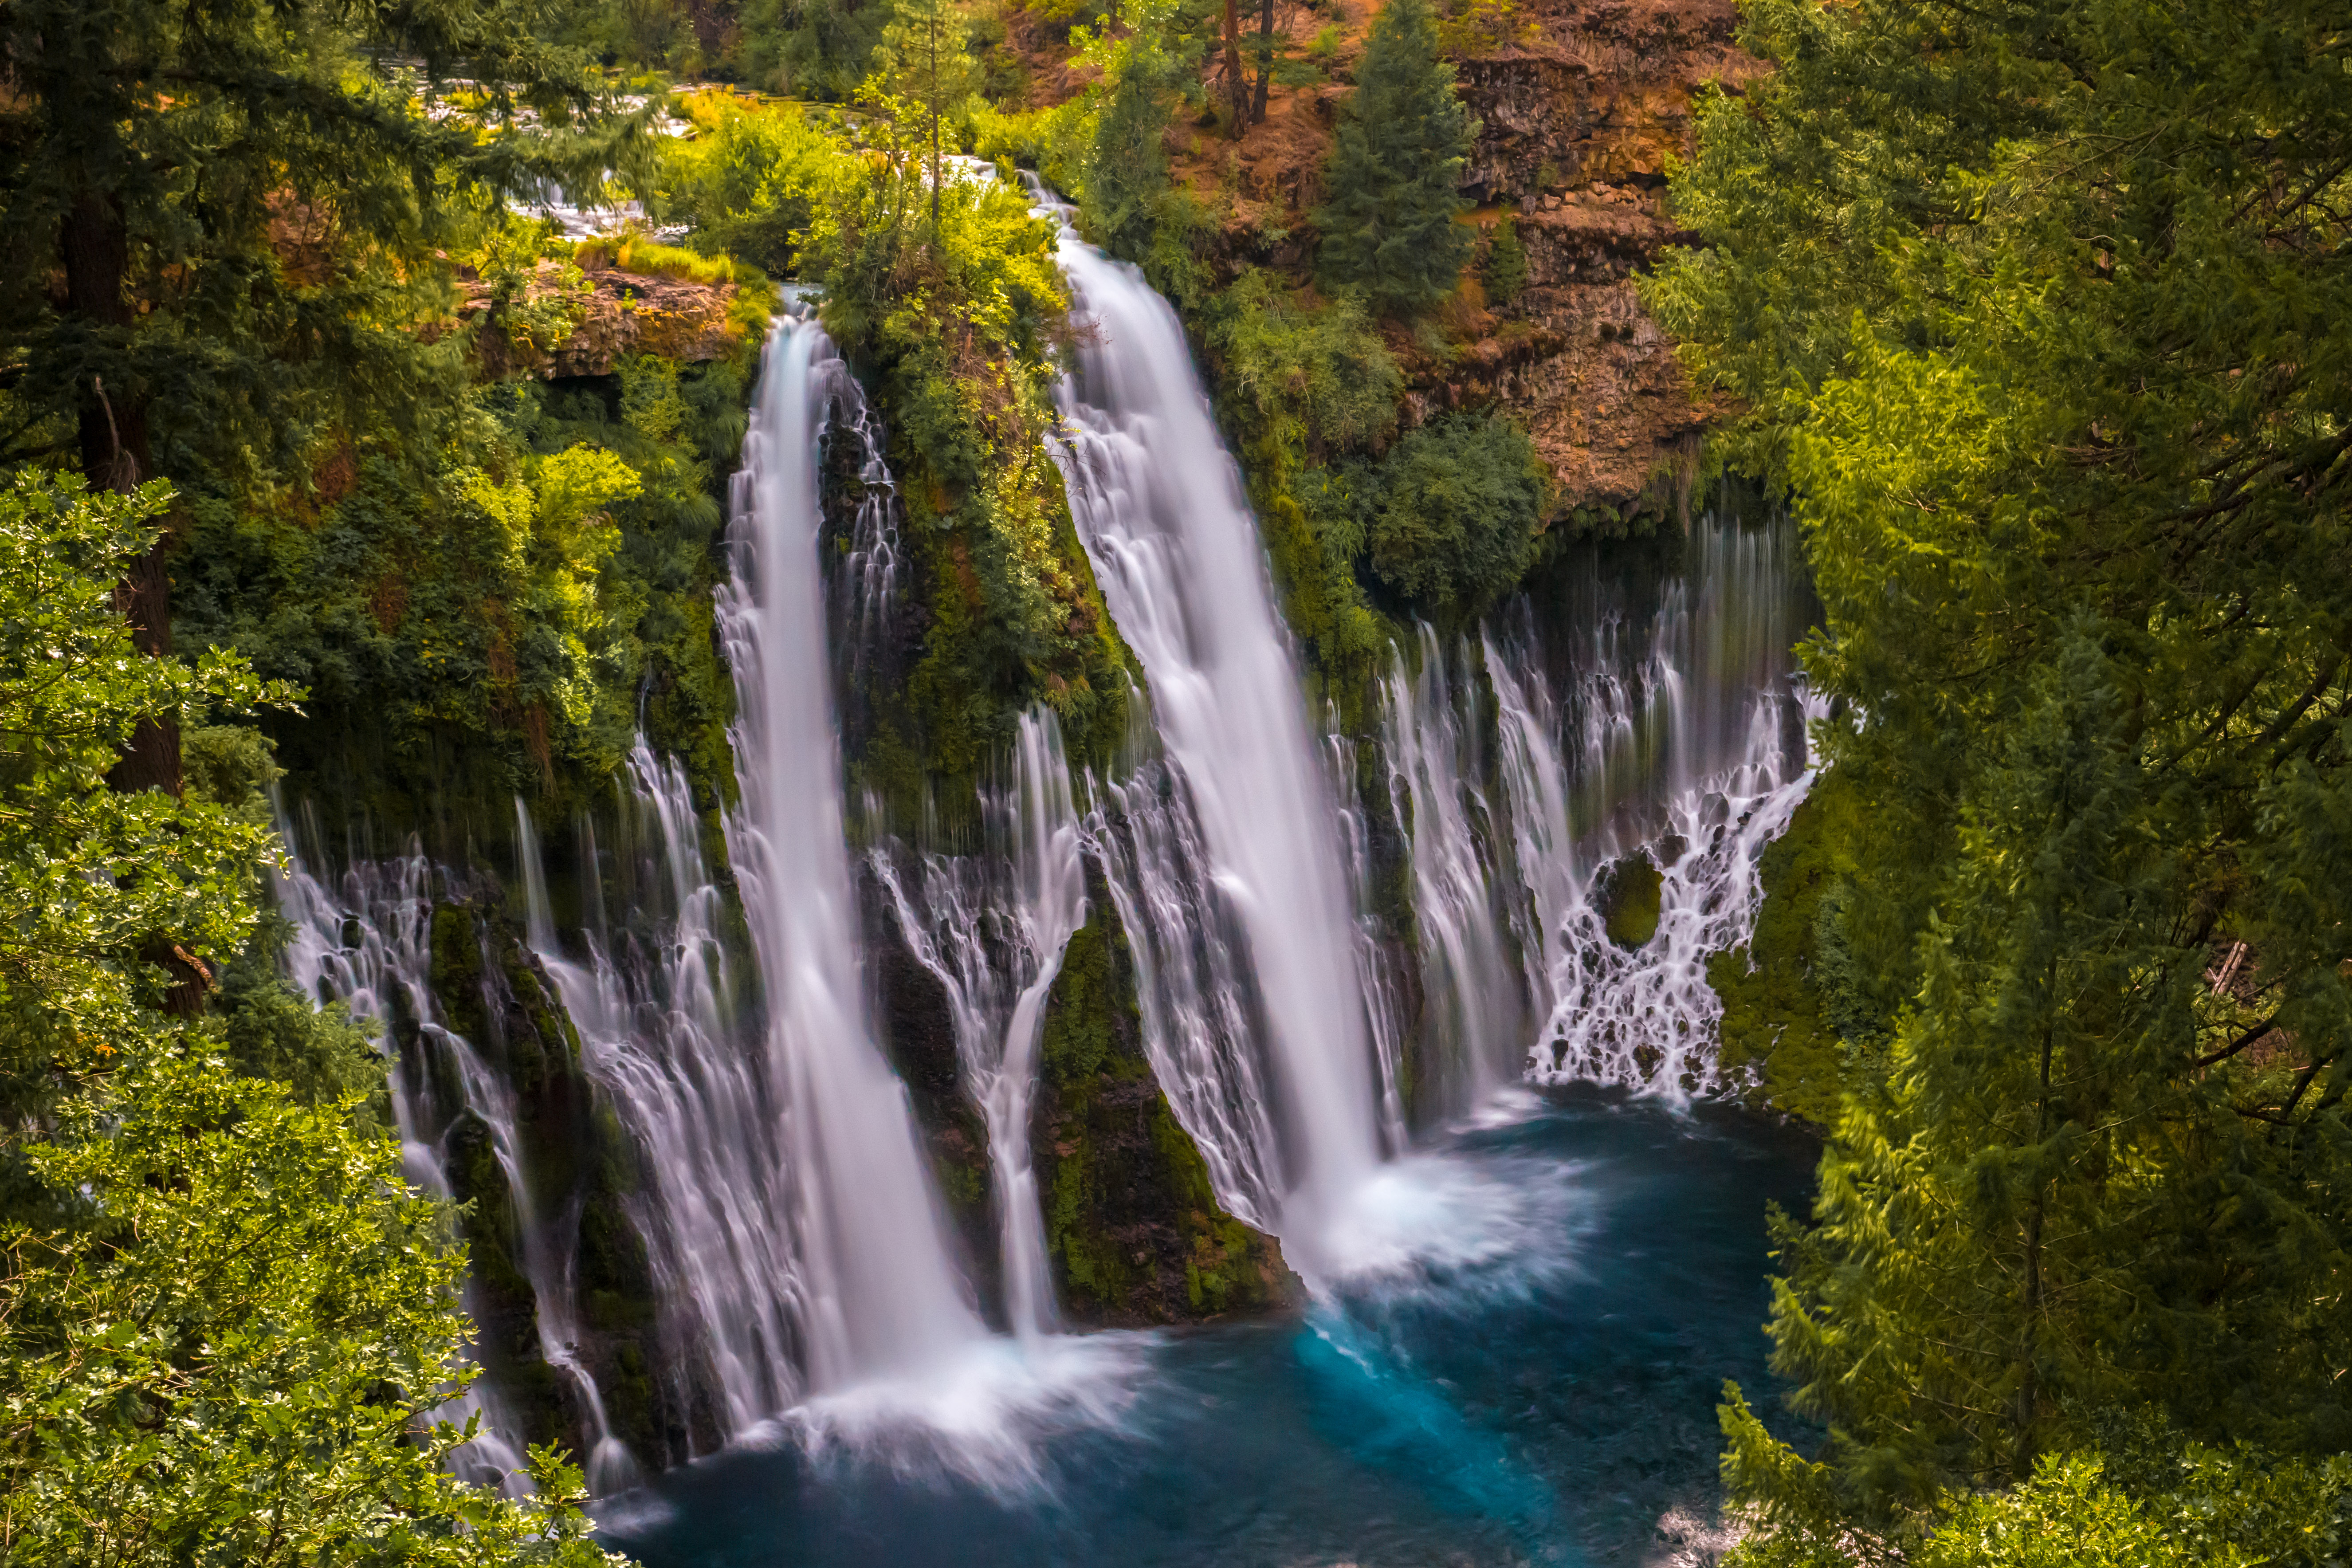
746	181
1451	513
1319	377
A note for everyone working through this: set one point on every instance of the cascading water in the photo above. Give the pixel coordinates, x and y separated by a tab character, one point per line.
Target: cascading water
663	1042
1191	983
1475	1005
368	945
1679	743
882	1298
1159	504
997	949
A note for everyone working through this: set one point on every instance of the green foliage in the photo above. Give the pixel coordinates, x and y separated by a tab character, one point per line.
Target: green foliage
812	48
1403	139
746	181
924	77
2040	313
529	579
248	196
1451	513
956	324
1507	261
223	1323
1482	26
1315	378
101	885
233	1352
2146	1501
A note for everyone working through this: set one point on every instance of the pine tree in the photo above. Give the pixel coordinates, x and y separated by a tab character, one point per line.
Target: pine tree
1395	172
1507	261
925	60
2040	314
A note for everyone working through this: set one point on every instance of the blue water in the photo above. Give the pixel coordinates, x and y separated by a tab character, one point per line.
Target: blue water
1531	1378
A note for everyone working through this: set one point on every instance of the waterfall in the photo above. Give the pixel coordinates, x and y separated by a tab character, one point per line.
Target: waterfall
368	945
1474	1003
1675	737
1192	984
1160	507
662	1043
996	951
882	1296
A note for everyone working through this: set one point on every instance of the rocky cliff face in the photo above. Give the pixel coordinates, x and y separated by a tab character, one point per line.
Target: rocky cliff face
1580	114
1578	122
586	325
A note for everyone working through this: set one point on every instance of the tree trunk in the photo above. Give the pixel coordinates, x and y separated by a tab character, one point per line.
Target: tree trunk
113	428
1265	60
114	456
1237	84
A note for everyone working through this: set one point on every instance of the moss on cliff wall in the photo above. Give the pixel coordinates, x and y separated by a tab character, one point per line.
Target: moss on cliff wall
1788	1010
1134	1228
581	1169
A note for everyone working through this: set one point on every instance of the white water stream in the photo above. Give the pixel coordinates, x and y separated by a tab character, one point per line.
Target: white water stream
1159	505
367	943
996	950
883	1298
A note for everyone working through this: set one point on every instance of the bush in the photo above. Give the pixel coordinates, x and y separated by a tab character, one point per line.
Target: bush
1451	514
1317	377
745	181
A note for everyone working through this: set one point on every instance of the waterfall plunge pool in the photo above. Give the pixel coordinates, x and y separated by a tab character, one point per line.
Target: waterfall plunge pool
1524	1371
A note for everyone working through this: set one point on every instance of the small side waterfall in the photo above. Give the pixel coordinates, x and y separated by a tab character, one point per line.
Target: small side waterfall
992	928
882	1298
662	1041
1679	741
368	944
1192	988
1476	1004
1159	505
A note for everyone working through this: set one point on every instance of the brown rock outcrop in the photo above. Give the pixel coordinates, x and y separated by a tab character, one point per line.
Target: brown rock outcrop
610	314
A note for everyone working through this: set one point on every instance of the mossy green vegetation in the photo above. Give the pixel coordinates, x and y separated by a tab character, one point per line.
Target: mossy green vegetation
1134	1229
1629	894
528	580
1791	1011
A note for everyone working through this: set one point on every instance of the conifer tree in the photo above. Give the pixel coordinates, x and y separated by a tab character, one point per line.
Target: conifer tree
925	60
1395	171
2040	314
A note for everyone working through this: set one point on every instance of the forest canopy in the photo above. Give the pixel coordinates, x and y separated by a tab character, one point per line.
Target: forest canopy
2042	315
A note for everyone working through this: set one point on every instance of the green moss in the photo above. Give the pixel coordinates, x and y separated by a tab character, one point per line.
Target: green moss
1131	1219
1781	993
1629	897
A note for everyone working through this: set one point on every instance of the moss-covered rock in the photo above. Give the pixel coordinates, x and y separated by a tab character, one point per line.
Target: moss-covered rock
581	1169
1134	1228
1628	895
1782	1014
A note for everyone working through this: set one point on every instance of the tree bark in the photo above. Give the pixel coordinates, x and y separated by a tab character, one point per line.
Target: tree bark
1237	82
115	456
95	249
1265	60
